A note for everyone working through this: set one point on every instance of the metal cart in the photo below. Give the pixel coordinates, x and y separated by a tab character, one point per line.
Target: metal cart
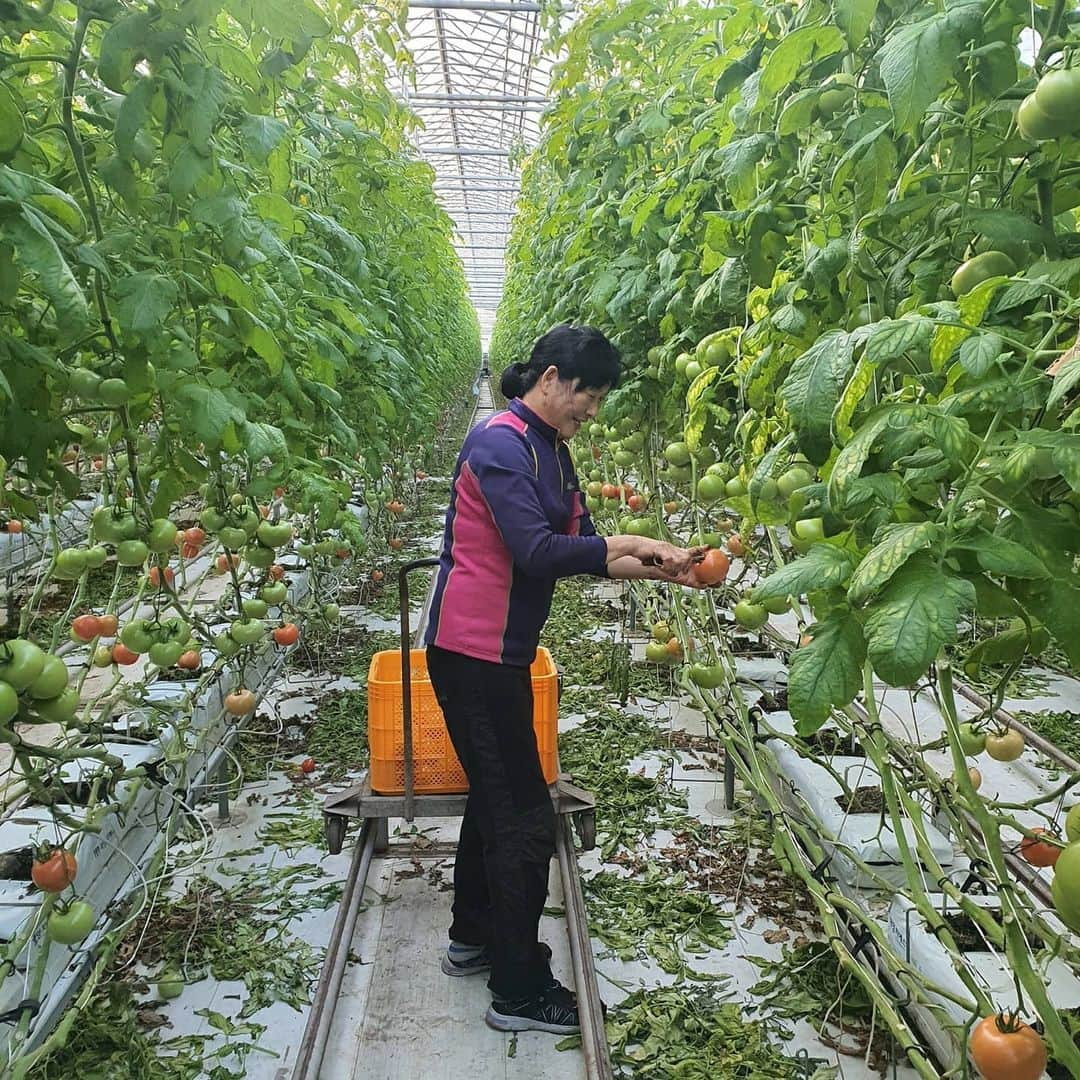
359	801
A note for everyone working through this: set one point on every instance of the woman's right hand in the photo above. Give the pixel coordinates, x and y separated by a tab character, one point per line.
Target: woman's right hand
675	562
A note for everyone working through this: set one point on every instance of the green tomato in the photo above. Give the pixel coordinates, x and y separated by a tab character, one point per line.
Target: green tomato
979	269
681	362
792	481
131	553
114	392
307	551
250	522
258	556
776	605
95	557
734	488
972	742
769	491
1037	125
137	636
254	608
1072	822
247	631
170	984
61	708
1058	94
677	453
9	702
661	632
174	629
709	676
212	520
275	593
721	469
750	616
656	652
166	653
162	535
71	926
232	538
331	612
21	662
85	384
811	529
711	487
225	645
325	547
236	500
693	370
52	681
718	352
70	564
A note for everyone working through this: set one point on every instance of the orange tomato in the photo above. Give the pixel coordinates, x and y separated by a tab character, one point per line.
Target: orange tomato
276	572
155	576
190	661
735	545
1039	852
107	625
122	655
1003	1048
240	702
286	634
86	627
14	526
713	568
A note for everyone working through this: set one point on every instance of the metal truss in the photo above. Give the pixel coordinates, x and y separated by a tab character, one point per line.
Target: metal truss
480	90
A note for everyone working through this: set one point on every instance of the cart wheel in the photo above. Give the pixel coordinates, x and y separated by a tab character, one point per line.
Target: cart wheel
585	820
335	832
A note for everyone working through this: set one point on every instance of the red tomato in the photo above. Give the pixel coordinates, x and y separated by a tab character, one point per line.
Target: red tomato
307	765
155	576
286	634
674	648
636	502
108	625
1039	852
14	526
276	572
713	568
1005	1049
195	535
376	576
55	872
610	491
122	655
396	543
190	661
189	551
224	560
86	627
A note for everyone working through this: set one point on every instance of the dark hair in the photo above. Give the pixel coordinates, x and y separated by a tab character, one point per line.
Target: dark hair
581	353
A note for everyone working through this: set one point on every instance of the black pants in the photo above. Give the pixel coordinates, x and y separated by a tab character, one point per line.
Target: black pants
508	831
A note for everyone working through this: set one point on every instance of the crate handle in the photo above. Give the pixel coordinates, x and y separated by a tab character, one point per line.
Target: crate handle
406	677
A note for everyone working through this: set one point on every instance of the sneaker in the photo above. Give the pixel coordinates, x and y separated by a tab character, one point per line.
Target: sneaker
461	960
554	1009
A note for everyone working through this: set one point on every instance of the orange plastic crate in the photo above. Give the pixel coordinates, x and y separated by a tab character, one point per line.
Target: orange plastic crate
436	769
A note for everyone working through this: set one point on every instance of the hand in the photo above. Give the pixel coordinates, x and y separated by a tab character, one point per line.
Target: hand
675	562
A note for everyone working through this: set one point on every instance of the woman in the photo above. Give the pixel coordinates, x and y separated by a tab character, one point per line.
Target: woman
516	523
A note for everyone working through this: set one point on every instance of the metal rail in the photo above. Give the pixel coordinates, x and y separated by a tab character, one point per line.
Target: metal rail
316	1036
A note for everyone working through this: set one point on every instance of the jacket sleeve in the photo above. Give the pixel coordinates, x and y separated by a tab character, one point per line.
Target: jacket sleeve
506	474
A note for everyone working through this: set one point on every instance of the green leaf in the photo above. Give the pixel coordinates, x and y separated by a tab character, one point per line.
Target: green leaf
915	617
892	338
144	300
39	254
916	61
1060	613
812	389
1004	226
896	545
260	135
826	673
997	555
854	18
263	441
1066	377
796	49
978	353
132	117
696	401
209	411
259	337
824	566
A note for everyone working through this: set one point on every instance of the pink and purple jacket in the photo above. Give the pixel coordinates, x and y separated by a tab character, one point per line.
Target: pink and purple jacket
516	523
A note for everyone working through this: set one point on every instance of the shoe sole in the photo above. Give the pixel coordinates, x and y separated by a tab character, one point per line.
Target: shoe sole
451	969
522	1023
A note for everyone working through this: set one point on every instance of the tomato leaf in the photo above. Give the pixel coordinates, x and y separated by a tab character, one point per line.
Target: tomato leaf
796	49
824	566
896	545
915	616
144	299
812	389
854	18
916	61
826	673
893	338
978	353
997	555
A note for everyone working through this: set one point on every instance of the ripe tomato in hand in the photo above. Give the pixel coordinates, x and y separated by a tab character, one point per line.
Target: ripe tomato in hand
713	568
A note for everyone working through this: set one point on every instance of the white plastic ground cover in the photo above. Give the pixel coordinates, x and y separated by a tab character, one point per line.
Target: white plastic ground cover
853	838
185	753
912	938
35	541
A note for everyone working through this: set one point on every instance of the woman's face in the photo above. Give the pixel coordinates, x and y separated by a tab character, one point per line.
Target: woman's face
565	405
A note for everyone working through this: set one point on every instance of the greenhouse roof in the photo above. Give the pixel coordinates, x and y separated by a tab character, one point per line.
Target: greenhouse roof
480	89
